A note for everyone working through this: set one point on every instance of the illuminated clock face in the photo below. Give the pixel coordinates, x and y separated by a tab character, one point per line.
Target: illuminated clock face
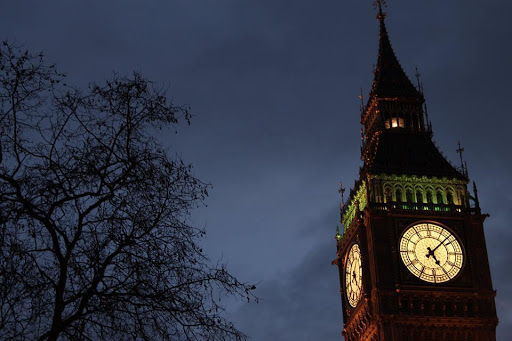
354	276
431	252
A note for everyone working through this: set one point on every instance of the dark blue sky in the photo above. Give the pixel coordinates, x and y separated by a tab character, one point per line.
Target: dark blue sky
273	85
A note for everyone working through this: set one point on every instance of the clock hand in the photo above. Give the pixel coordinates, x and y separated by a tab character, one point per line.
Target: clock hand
355	279
441	243
352	278
431	253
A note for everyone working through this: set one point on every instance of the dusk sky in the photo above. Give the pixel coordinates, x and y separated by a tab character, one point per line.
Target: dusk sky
273	86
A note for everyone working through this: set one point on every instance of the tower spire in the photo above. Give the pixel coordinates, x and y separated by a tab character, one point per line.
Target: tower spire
390	79
395	110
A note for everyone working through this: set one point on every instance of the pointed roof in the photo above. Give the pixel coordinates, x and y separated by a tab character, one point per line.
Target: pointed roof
390	79
412	154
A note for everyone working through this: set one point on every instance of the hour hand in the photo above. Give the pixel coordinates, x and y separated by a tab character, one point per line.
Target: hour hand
431	253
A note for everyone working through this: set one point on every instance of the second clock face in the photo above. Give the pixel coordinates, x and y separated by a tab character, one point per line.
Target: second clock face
354	276
431	252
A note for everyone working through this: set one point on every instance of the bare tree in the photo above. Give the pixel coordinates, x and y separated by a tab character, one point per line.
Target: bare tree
95	234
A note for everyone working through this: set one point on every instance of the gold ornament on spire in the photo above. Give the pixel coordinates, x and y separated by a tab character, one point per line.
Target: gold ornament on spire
379	4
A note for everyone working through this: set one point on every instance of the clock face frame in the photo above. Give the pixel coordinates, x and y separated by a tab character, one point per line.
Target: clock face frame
354	276
431	252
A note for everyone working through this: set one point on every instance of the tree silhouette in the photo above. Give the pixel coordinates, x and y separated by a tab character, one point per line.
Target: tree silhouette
95	238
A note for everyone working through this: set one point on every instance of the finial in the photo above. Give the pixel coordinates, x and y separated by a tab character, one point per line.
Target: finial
341	190
460	150
463	164
380	3
420	86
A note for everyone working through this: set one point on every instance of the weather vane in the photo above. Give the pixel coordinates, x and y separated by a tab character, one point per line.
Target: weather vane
379	4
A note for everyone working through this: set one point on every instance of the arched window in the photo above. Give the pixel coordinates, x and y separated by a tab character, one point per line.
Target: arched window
388	196
419	196
395	122
398	194
449	198
408	195
439	197
429	197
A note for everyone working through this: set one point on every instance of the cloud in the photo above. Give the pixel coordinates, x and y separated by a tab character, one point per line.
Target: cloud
304	303
273	86
300	304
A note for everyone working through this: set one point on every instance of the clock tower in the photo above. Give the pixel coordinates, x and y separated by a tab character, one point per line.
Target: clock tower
412	256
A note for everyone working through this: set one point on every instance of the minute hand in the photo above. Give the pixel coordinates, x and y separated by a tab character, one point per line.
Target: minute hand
441	243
